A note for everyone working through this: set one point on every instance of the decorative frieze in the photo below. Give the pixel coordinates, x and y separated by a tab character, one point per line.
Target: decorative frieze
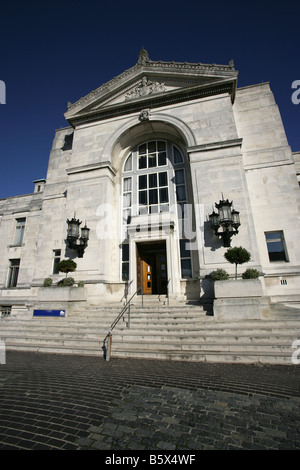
145	88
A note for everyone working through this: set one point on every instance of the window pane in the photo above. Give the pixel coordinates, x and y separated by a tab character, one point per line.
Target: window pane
125	271
143	182
142	162
126	216
153	180
181	211
143	210
274	236
276	251
164	195
177	156
152	146
153	209
127	200
161	145
184	252
163	179
275	245
152	160
57	254
164	208
13	272
153	196
143	197
162	159
128	164
179	177
19	231
127	184
125	252
142	149
180	191
186	268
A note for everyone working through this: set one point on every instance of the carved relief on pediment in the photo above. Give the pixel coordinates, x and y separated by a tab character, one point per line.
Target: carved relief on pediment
145	87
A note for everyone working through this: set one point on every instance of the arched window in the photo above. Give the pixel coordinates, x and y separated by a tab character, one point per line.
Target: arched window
154	181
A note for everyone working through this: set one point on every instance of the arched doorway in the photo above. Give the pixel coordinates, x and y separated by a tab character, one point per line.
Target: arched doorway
154	195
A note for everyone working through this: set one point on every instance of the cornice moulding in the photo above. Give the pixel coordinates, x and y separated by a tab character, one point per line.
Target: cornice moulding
135	105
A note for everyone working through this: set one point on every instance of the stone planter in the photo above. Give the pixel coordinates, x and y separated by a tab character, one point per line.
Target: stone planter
61	294
238	288
240	299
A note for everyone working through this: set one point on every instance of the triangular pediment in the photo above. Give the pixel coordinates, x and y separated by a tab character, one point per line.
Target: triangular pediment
151	84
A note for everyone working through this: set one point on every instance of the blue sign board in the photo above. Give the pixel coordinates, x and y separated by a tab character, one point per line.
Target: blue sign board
49	313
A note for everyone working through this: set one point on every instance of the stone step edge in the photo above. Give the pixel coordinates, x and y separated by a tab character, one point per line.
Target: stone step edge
150	338
189	349
180	355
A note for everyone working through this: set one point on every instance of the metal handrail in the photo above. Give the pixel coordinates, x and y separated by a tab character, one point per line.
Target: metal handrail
120	315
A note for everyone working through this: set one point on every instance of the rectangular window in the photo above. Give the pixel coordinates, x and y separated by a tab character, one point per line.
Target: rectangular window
56	260
276	246
127	200
180	186
185	259
19	231
153	193
125	262
13	272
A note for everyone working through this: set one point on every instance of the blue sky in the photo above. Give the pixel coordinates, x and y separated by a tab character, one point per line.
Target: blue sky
55	52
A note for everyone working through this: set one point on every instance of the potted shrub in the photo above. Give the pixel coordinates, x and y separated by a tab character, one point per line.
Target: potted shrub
237	255
47	282
250	274
219	275
66	266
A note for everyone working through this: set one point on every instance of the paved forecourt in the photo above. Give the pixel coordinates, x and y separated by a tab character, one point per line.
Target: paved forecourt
51	401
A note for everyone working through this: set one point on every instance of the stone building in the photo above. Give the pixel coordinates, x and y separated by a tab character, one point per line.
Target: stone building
142	163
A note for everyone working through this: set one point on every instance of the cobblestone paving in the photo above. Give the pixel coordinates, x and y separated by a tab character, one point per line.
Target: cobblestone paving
50	401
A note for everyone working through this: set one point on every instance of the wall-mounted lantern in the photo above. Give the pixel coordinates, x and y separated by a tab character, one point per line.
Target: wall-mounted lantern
227	220
74	241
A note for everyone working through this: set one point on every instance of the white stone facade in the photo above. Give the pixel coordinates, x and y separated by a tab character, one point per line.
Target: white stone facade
232	143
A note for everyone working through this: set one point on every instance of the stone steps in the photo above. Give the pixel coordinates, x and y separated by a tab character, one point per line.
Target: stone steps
181	332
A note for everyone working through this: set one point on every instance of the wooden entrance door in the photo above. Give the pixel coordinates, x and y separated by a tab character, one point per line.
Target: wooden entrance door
152	269
147	275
